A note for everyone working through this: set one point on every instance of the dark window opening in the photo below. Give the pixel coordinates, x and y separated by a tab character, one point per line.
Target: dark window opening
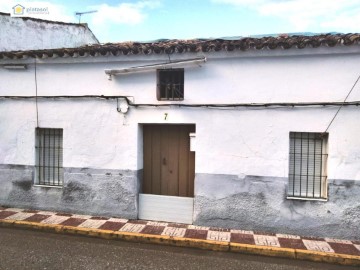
170	84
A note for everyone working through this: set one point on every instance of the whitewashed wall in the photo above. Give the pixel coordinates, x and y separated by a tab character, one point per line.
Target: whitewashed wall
233	145
243	141
17	33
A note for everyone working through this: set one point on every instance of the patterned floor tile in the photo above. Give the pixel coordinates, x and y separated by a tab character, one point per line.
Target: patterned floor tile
92	223
338	246
72	221
266	240
100	218
37	218
243	238
312	238
291	243
30	211
197	234
129	227
265	233
154	223
149	229
176	232
241	231
46	213
193	227
135	221
344	248
340	241
317	245
112	226
63	214
14	209
121	220
219	229
20	216
54	220
218	236
177	225
289	236
6	213
81	216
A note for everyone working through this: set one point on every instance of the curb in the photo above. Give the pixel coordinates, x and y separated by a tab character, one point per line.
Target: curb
289	253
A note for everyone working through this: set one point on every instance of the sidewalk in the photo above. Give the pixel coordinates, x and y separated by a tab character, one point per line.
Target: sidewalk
270	244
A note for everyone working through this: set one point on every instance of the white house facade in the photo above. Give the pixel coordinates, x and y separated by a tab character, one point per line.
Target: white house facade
256	133
25	33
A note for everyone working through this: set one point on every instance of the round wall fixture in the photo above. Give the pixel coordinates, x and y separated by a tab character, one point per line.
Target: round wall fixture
124	107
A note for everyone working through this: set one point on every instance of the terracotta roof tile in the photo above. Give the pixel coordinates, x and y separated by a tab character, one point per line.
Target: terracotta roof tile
192	46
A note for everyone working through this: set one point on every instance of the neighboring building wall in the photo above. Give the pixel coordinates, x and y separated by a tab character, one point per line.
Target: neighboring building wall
241	154
17	33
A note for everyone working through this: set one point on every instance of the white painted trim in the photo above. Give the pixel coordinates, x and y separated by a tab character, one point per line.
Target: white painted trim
166	208
46	186
308	199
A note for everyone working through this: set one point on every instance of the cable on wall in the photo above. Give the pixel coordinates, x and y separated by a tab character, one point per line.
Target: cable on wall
344	102
36	93
204	105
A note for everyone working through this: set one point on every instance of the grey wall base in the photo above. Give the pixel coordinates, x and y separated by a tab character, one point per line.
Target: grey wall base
259	203
87	191
248	203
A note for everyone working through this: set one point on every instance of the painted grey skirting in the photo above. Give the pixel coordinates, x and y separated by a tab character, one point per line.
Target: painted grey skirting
249	202
259	203
87	191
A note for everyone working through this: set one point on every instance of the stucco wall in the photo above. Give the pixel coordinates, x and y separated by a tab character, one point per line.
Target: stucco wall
241	154
31	34
259	203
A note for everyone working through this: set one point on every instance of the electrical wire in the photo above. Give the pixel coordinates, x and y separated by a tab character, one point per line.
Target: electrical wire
205	105
337	112
36	98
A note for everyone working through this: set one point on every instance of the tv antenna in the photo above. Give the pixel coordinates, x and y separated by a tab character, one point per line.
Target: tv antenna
82	13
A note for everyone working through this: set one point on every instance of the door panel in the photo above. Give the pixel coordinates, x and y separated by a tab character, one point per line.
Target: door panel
169	166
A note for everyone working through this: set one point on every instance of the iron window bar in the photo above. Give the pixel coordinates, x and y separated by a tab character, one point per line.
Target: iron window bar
49	157
170	84
307	163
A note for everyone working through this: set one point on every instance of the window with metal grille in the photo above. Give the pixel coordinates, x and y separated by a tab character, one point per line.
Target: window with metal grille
170	84
49	157
307	165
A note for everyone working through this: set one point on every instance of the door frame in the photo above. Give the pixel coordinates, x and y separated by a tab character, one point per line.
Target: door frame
181	204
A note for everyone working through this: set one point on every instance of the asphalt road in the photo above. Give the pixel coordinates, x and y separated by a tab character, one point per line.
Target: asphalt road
23	249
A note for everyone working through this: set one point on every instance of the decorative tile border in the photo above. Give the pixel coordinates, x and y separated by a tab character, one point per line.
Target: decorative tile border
327	245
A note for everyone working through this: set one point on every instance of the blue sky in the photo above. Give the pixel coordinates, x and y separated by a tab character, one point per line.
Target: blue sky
142	20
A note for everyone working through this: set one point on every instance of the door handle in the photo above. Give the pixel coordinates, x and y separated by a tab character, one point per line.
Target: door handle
164	161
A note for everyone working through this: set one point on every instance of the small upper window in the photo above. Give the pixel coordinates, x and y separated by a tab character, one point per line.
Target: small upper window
307	165
170	84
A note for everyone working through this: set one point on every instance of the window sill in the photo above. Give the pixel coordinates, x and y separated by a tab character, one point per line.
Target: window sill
46	186
307	199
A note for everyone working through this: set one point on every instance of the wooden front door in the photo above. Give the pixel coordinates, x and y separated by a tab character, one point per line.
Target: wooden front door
169	166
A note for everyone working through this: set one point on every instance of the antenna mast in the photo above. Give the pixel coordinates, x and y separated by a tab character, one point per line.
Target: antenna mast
81	13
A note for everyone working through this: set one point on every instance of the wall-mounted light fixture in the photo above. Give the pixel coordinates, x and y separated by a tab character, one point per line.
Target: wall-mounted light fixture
122	106
176	63
15	66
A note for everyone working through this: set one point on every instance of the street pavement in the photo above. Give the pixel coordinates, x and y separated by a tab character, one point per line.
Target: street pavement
25	249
